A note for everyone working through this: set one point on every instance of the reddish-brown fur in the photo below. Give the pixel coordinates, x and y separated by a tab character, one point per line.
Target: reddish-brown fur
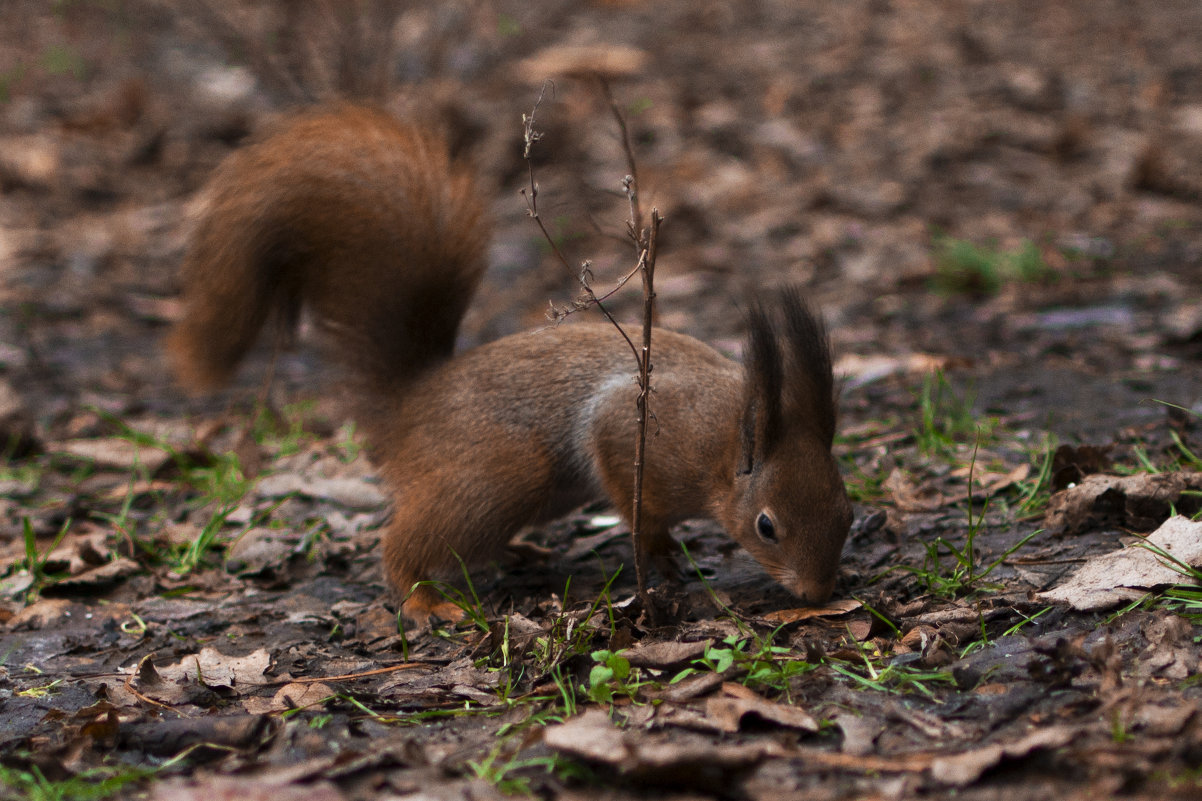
369	224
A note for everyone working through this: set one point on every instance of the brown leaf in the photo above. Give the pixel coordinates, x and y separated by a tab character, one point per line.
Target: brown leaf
296	695
593	737
910	497
666	655
740	703
832	609
1139	502
244	788
963	769
691	687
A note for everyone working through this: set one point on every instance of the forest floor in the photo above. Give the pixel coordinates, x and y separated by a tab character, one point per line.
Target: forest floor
997	207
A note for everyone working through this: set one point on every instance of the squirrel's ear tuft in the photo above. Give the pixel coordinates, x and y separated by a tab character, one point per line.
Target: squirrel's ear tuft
763	371
809	385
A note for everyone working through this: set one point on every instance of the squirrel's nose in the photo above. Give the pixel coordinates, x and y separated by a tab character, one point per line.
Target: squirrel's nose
814	592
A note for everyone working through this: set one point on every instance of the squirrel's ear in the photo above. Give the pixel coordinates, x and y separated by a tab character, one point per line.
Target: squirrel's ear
763	379
809	389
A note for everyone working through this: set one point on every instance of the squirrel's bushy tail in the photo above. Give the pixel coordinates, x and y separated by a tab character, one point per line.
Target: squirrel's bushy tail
363	220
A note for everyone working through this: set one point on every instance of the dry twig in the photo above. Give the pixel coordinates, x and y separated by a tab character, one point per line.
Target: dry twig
645	239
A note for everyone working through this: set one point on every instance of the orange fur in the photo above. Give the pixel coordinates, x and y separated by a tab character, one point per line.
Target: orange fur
368	223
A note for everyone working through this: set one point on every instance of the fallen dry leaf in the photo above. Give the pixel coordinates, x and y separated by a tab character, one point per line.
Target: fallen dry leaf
353	493
593	737
1138	502
609	61
212	668
244	788
739	703
114	453
296	695
832	609
1129	573
666	655
965	768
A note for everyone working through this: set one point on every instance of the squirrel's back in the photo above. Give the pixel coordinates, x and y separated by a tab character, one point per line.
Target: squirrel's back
366	221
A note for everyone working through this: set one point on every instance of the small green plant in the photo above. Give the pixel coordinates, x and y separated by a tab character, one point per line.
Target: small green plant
986	641
566	637
946	416
964	267
964	574
35	561
567	691
504	773
612	677
1119	733
348	447
63	60
93	784
284	431
192	555
219	479
222	481
41	691
468	602
877	672
761	663
1035	489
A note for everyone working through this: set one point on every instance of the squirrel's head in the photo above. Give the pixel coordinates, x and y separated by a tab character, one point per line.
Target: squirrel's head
789	507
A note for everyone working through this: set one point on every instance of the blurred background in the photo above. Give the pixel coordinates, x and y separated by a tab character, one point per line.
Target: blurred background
1009	190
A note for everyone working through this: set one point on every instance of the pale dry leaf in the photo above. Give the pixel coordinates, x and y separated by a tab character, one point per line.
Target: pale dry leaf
609	61
961	770
1124	575
260	547
214	669
859	370
244	788
114	453
859	732
590	736
352	493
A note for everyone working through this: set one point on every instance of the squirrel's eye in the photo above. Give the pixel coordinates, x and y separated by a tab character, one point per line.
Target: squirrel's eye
765	528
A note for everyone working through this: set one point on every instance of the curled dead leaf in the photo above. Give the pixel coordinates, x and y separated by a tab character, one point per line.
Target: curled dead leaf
739	704
1139	502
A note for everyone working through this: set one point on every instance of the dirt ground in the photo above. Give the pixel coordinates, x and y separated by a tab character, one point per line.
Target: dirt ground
996	206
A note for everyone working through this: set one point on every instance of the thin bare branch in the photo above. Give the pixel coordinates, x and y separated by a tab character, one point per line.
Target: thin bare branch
630	184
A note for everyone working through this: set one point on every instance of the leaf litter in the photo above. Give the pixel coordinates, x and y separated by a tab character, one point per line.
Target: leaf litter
171	623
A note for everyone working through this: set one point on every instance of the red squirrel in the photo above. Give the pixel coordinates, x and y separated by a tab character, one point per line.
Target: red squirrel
369	224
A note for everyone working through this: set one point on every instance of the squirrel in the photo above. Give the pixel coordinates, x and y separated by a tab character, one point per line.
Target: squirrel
371	225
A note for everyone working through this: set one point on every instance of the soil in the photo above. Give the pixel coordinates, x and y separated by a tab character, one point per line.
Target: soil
996	206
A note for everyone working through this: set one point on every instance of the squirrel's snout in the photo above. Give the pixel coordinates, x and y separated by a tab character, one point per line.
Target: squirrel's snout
812	593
